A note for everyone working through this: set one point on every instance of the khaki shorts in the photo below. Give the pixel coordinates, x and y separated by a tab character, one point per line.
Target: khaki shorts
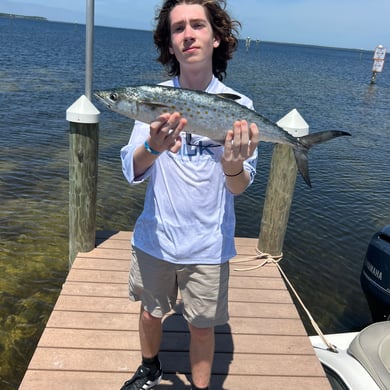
203	288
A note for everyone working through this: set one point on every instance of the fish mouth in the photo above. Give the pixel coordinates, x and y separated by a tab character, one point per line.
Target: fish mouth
99	94
101	97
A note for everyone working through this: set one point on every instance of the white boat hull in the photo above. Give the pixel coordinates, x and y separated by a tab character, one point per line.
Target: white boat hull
361	360
347	368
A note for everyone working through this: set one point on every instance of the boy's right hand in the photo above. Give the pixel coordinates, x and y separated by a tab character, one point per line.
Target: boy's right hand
165	132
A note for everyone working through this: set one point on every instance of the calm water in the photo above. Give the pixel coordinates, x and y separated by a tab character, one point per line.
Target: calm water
42	74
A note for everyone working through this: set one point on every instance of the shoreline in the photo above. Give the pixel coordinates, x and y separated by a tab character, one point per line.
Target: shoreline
15	16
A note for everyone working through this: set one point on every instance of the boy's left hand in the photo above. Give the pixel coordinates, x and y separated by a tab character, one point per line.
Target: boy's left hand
240	143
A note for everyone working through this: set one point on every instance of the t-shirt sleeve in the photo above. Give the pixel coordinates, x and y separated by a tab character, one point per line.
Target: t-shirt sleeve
138	136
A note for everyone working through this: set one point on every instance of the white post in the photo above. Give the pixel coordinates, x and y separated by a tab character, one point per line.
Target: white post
89	48
248	43
379	62
294	124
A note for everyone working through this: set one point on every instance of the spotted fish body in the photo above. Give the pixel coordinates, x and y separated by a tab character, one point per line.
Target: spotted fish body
207	114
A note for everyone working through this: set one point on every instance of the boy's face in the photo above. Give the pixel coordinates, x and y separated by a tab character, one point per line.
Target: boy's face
192	37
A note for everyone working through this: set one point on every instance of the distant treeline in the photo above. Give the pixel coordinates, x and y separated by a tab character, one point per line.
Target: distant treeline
3	15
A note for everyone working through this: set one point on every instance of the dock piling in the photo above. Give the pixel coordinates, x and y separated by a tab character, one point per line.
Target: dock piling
83	160
280	188
83	163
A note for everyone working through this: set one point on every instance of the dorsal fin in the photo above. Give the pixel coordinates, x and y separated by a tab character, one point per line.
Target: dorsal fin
230	96
153	104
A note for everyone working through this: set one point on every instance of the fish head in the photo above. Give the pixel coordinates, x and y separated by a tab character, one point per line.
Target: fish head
123	101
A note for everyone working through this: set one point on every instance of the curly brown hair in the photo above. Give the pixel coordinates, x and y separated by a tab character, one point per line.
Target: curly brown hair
224	27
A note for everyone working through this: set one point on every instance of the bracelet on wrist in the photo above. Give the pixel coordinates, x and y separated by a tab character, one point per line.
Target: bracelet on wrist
236	174
151	150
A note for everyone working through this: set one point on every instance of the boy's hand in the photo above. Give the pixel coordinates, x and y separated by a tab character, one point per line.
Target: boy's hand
240	143
165	132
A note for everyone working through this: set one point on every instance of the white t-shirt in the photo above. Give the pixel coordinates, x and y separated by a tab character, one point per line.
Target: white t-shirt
188	215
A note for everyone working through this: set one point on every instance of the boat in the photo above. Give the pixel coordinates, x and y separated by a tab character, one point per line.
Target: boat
361	360
375	275
356	360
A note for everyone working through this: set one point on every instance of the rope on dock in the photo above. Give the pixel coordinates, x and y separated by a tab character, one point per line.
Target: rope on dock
266	258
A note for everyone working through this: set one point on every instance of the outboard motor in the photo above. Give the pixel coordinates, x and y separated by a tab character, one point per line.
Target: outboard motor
375	275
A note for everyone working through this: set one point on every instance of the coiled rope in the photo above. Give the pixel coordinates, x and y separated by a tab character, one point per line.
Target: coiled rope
266	258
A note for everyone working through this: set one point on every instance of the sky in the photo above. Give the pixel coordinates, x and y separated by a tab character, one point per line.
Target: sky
356	24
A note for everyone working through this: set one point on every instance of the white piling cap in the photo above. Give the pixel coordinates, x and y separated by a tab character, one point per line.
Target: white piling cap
82	111
294	124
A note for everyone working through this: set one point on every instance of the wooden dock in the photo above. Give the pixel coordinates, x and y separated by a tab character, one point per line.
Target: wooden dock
91	339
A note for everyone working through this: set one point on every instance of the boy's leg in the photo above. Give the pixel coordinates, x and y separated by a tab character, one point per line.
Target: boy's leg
153	282
150	332
201	355
204	289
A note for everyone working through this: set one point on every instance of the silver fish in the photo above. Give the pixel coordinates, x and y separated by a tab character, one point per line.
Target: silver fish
210	115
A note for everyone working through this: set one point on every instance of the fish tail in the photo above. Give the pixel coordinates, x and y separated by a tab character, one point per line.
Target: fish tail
305	143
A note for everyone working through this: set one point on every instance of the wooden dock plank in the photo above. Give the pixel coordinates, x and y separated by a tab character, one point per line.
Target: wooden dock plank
91	338
74	380
123	321
122	305
69	359
121	290
173	341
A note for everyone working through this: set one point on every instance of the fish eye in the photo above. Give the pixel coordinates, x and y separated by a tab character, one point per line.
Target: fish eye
114	97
